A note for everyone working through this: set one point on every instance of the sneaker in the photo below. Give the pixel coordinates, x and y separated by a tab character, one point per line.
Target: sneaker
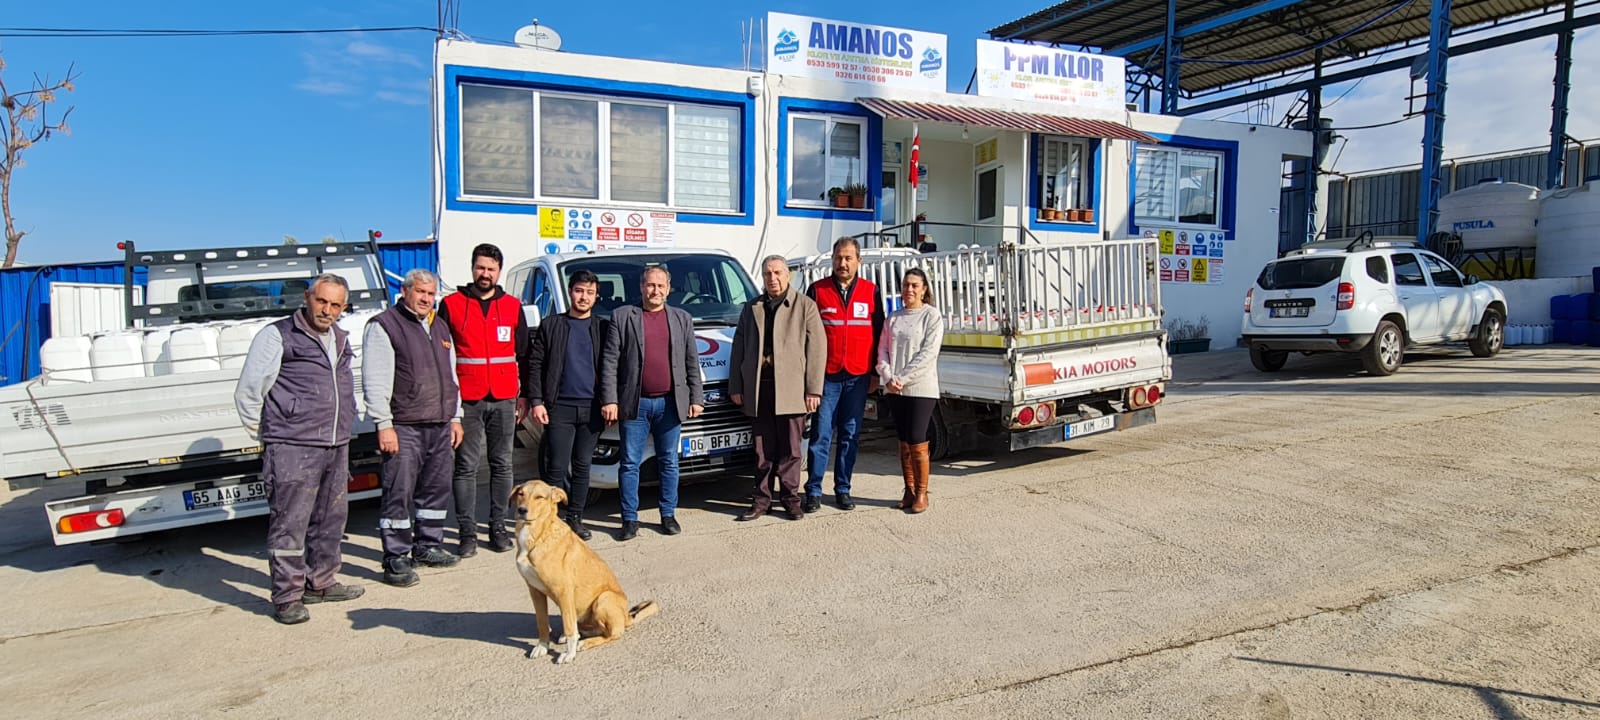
670	526
500	539
468	545
337	592
397	572
579	529
435	557
811	504
843	501
630	530
292	613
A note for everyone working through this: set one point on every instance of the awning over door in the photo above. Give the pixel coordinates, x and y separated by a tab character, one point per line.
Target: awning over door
1003	119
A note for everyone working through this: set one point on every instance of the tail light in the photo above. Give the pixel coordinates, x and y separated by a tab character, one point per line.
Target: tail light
1025	416
1043	414
1143	397
85	521
1249	297
364	481
1347	296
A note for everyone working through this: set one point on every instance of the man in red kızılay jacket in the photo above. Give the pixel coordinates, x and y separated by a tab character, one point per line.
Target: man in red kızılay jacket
490	334
852	318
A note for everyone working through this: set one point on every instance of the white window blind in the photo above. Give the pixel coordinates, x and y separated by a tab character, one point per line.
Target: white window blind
569	148
706	157
1153	197
496	141
638	153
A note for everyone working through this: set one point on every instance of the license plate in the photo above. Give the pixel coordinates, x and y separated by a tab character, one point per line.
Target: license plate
1090	427
1289	312
714	444
225	495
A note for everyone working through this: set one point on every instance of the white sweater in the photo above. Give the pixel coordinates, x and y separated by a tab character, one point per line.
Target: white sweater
908	350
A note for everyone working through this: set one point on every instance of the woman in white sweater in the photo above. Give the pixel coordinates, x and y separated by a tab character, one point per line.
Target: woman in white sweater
908	370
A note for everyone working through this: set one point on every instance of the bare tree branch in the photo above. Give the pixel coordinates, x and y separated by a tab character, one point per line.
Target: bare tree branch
24	122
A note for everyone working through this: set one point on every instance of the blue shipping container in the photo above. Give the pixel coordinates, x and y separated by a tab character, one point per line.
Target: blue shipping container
25	299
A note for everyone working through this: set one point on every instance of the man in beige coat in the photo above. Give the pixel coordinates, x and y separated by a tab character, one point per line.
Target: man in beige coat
780	355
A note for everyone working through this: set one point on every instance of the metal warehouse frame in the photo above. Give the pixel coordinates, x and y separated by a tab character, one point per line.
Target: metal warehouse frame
1215	48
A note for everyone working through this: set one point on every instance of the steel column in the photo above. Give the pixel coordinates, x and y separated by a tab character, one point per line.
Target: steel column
1314	163
1433	118
1558	106
1172	46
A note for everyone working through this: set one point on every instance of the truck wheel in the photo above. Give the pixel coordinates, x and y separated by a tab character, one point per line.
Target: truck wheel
1268	360
1383	355
1491	335
938	436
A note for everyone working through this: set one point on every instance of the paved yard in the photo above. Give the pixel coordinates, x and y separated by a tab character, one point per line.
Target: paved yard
1316	543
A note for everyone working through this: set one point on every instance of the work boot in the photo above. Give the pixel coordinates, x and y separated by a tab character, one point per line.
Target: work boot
919	466
843	501
630	530
291	613
811	504
337	592
910	476
397	572
468	545
670	526
576	523
500	538
434	557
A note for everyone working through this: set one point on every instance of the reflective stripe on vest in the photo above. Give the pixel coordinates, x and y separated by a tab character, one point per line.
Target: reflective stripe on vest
849	337
486	346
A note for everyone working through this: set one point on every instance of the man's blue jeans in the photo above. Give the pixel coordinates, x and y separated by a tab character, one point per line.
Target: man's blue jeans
844	398
658	420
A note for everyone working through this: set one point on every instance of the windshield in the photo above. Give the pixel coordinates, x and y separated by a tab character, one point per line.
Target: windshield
712	288
1300	273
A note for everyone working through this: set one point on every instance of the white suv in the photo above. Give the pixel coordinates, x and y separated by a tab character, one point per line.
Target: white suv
1373	297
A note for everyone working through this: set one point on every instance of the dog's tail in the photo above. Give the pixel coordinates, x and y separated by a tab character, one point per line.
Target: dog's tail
642	611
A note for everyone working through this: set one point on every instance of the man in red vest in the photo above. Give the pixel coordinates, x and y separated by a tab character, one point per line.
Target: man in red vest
490	335
852	318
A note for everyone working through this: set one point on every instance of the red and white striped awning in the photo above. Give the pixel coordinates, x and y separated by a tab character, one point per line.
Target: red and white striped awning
1003	119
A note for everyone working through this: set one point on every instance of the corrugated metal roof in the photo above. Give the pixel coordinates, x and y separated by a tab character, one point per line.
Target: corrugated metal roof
1003	119
1255	47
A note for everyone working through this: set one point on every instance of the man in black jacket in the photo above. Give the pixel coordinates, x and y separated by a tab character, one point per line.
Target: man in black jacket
563	364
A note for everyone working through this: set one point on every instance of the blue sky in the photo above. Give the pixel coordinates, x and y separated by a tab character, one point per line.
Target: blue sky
188	142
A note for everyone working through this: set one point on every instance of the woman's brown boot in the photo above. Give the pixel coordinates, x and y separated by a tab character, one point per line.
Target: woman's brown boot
906	470
919	467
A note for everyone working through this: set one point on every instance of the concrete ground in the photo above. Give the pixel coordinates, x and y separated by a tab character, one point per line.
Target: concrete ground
1315	543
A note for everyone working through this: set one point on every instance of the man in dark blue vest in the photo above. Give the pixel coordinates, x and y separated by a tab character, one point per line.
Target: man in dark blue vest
408	377
296	394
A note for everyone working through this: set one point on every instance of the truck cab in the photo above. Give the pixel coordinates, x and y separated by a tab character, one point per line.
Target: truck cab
713	288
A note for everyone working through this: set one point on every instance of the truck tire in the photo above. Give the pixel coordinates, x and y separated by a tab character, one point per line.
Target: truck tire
1491	335
938	436
1387	350
1268	360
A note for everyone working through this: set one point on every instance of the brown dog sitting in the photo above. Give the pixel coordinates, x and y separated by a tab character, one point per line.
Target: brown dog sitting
557	565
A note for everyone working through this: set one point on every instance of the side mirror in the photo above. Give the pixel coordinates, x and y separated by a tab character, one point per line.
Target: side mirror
1472	279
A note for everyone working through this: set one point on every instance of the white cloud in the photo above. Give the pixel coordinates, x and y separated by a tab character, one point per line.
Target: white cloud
361	67
324	87
362	50
403	98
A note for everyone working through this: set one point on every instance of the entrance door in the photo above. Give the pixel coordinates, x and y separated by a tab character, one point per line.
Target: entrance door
989	204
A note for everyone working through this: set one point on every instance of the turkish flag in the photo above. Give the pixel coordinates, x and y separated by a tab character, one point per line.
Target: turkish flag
916	157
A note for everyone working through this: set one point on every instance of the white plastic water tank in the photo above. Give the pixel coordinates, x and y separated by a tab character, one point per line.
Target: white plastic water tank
193	348
66	359
157	353
1569	231
117	355
1492	214
233	342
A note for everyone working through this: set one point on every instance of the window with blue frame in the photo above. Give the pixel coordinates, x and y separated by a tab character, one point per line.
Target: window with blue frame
523	144
827	155
1178	186
1063	173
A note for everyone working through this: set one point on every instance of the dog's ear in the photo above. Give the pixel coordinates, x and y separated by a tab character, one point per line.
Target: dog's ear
558	495
516	494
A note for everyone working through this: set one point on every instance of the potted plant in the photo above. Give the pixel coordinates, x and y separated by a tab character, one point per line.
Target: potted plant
838	197
1075	215
858	195
1188	336
1088	215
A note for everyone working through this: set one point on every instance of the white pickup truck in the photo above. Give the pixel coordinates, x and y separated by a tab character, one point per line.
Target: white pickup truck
1044	342
144	417
713	288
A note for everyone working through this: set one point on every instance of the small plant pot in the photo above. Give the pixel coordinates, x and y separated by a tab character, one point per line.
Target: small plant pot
841	201
858	202
1193	345
1075	216
1088	215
